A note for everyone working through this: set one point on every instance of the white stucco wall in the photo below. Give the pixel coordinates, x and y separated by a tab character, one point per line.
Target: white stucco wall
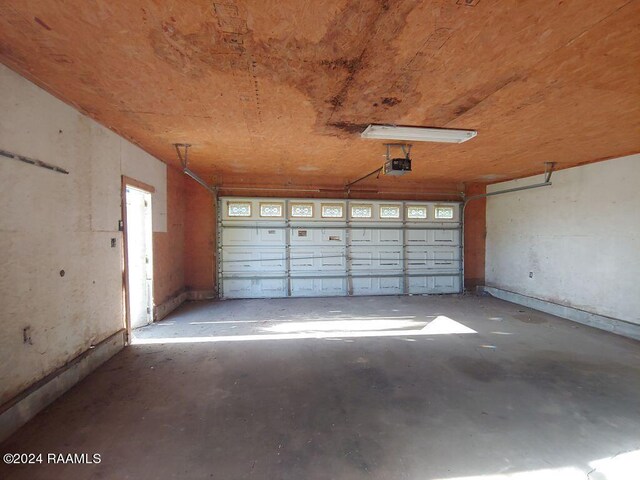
579	237
51	222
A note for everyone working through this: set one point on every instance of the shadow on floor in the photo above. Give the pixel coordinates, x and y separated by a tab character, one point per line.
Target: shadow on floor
504	398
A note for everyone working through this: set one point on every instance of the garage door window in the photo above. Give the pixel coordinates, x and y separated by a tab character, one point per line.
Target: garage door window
302	210
271	210
417	212
389	211
361	211
239	209
332	210
445	213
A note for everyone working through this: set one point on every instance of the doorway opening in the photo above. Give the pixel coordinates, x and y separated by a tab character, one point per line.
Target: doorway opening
138	246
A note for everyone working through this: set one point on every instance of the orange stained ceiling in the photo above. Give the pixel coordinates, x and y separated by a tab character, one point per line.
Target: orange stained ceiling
276	92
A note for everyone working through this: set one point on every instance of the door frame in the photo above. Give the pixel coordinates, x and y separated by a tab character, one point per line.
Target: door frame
129	182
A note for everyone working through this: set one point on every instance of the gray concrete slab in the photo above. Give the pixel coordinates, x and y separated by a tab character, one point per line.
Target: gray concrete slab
351	388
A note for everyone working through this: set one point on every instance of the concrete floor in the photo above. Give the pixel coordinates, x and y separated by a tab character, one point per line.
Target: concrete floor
351	388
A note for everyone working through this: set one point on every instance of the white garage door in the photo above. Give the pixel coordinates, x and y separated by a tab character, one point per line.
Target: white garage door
306	247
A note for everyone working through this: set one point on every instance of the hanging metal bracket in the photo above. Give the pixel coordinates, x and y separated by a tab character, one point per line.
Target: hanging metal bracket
406	151
184	161
405	147
548	170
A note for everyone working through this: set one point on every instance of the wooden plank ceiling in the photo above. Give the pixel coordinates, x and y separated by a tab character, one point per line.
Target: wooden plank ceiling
275	92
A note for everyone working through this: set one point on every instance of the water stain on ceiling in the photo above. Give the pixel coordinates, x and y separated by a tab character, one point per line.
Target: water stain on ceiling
267	90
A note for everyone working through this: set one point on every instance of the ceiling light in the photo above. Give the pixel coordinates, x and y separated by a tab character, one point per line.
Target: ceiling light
418	134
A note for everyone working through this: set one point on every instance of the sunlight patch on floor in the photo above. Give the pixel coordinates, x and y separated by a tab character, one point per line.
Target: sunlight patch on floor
441	325
623	466
565	473
342	325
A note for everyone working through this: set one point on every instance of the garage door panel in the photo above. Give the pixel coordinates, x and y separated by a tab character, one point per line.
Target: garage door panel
376	258
438	284
390	236
271	235
445	258
433	237
376	236
333	259
237	236
362	259
417	285
377	285
390	259
254	288
237	259
361	236
303	259
318	236
417	237
417	258
253	236
272	260
446	284
432	258
318	287
439	237
317	259
324	255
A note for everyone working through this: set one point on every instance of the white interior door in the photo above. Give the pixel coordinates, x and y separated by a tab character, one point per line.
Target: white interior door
139	257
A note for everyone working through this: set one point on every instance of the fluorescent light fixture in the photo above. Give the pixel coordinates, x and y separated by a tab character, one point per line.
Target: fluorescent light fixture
418	134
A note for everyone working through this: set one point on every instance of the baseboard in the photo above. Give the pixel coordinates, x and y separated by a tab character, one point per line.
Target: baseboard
22	408
169	306
613	325
164	309
201	294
